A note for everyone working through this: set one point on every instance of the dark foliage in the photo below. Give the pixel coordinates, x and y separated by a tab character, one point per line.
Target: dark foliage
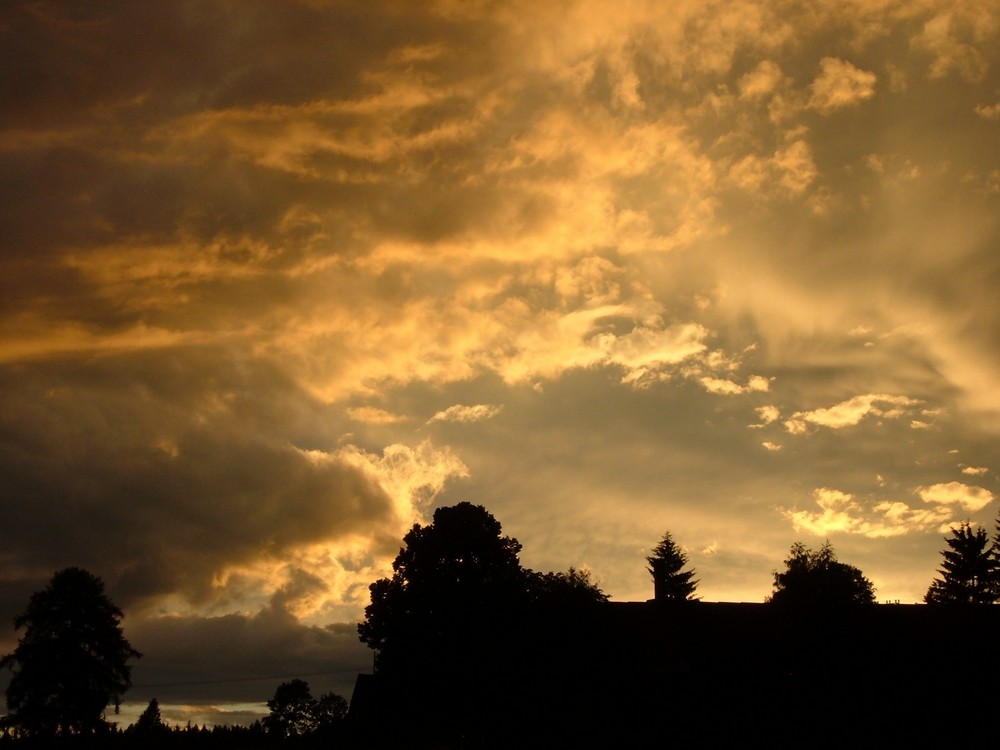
295	713
453	574
72	661
817	578
150	723
571	589
292	711
671	583
968	574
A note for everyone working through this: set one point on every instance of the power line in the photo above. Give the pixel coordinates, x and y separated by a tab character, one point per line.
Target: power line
261	678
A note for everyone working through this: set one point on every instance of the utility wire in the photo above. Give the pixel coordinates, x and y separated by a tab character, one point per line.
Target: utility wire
190	683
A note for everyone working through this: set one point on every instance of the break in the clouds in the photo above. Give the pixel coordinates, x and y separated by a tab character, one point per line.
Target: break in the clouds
269	271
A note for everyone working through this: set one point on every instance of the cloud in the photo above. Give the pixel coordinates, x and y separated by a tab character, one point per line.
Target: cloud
374	415
773	447
975	471
841	512
194	491
969	497
761	81
849	413
725	387
237	657
465	414
840	84
790	169
767	415
231	285
988	111
953	36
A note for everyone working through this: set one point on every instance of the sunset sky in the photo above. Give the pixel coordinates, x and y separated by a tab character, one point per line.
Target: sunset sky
279	278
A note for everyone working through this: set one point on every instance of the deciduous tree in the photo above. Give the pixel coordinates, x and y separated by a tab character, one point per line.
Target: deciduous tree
292	711
453	572
71	663
818	578
570	589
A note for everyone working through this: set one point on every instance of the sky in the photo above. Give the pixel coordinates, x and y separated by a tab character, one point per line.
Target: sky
277	279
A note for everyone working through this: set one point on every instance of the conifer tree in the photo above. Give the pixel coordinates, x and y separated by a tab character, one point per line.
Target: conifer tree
670	582
968	572
150	722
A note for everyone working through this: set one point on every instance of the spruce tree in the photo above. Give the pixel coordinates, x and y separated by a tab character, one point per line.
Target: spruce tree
968	572
670	582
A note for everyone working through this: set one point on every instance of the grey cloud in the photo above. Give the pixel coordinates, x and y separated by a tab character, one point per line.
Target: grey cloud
161	479
241	658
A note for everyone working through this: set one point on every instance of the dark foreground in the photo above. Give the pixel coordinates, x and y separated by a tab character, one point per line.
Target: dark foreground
652	675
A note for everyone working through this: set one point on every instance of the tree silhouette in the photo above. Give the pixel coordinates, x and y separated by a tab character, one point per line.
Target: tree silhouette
292	711
968	572
456	571
330	709
71	662
670	582
817	578
570	589
150	723
995	558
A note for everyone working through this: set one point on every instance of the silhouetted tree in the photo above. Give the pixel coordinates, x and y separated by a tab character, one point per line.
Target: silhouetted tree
816	577
150	723
292	711
71	662
968	572
995	559
569	589
670	582
455	571
330	710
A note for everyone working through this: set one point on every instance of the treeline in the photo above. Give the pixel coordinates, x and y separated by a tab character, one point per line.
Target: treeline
467	642
460	623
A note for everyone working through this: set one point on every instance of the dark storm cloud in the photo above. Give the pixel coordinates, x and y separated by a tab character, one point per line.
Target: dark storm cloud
237	657
160	471
66	61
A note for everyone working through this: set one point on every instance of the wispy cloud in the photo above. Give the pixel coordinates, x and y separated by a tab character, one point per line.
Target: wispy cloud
466	414
840	512
374	415
850	412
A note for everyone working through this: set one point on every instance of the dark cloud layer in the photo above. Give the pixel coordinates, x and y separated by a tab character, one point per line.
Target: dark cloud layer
162	473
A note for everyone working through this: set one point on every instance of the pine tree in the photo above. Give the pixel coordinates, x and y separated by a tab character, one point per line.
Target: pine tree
150	722
670	582
968	572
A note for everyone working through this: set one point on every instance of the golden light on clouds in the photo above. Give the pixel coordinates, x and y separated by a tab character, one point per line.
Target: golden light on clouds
609	270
